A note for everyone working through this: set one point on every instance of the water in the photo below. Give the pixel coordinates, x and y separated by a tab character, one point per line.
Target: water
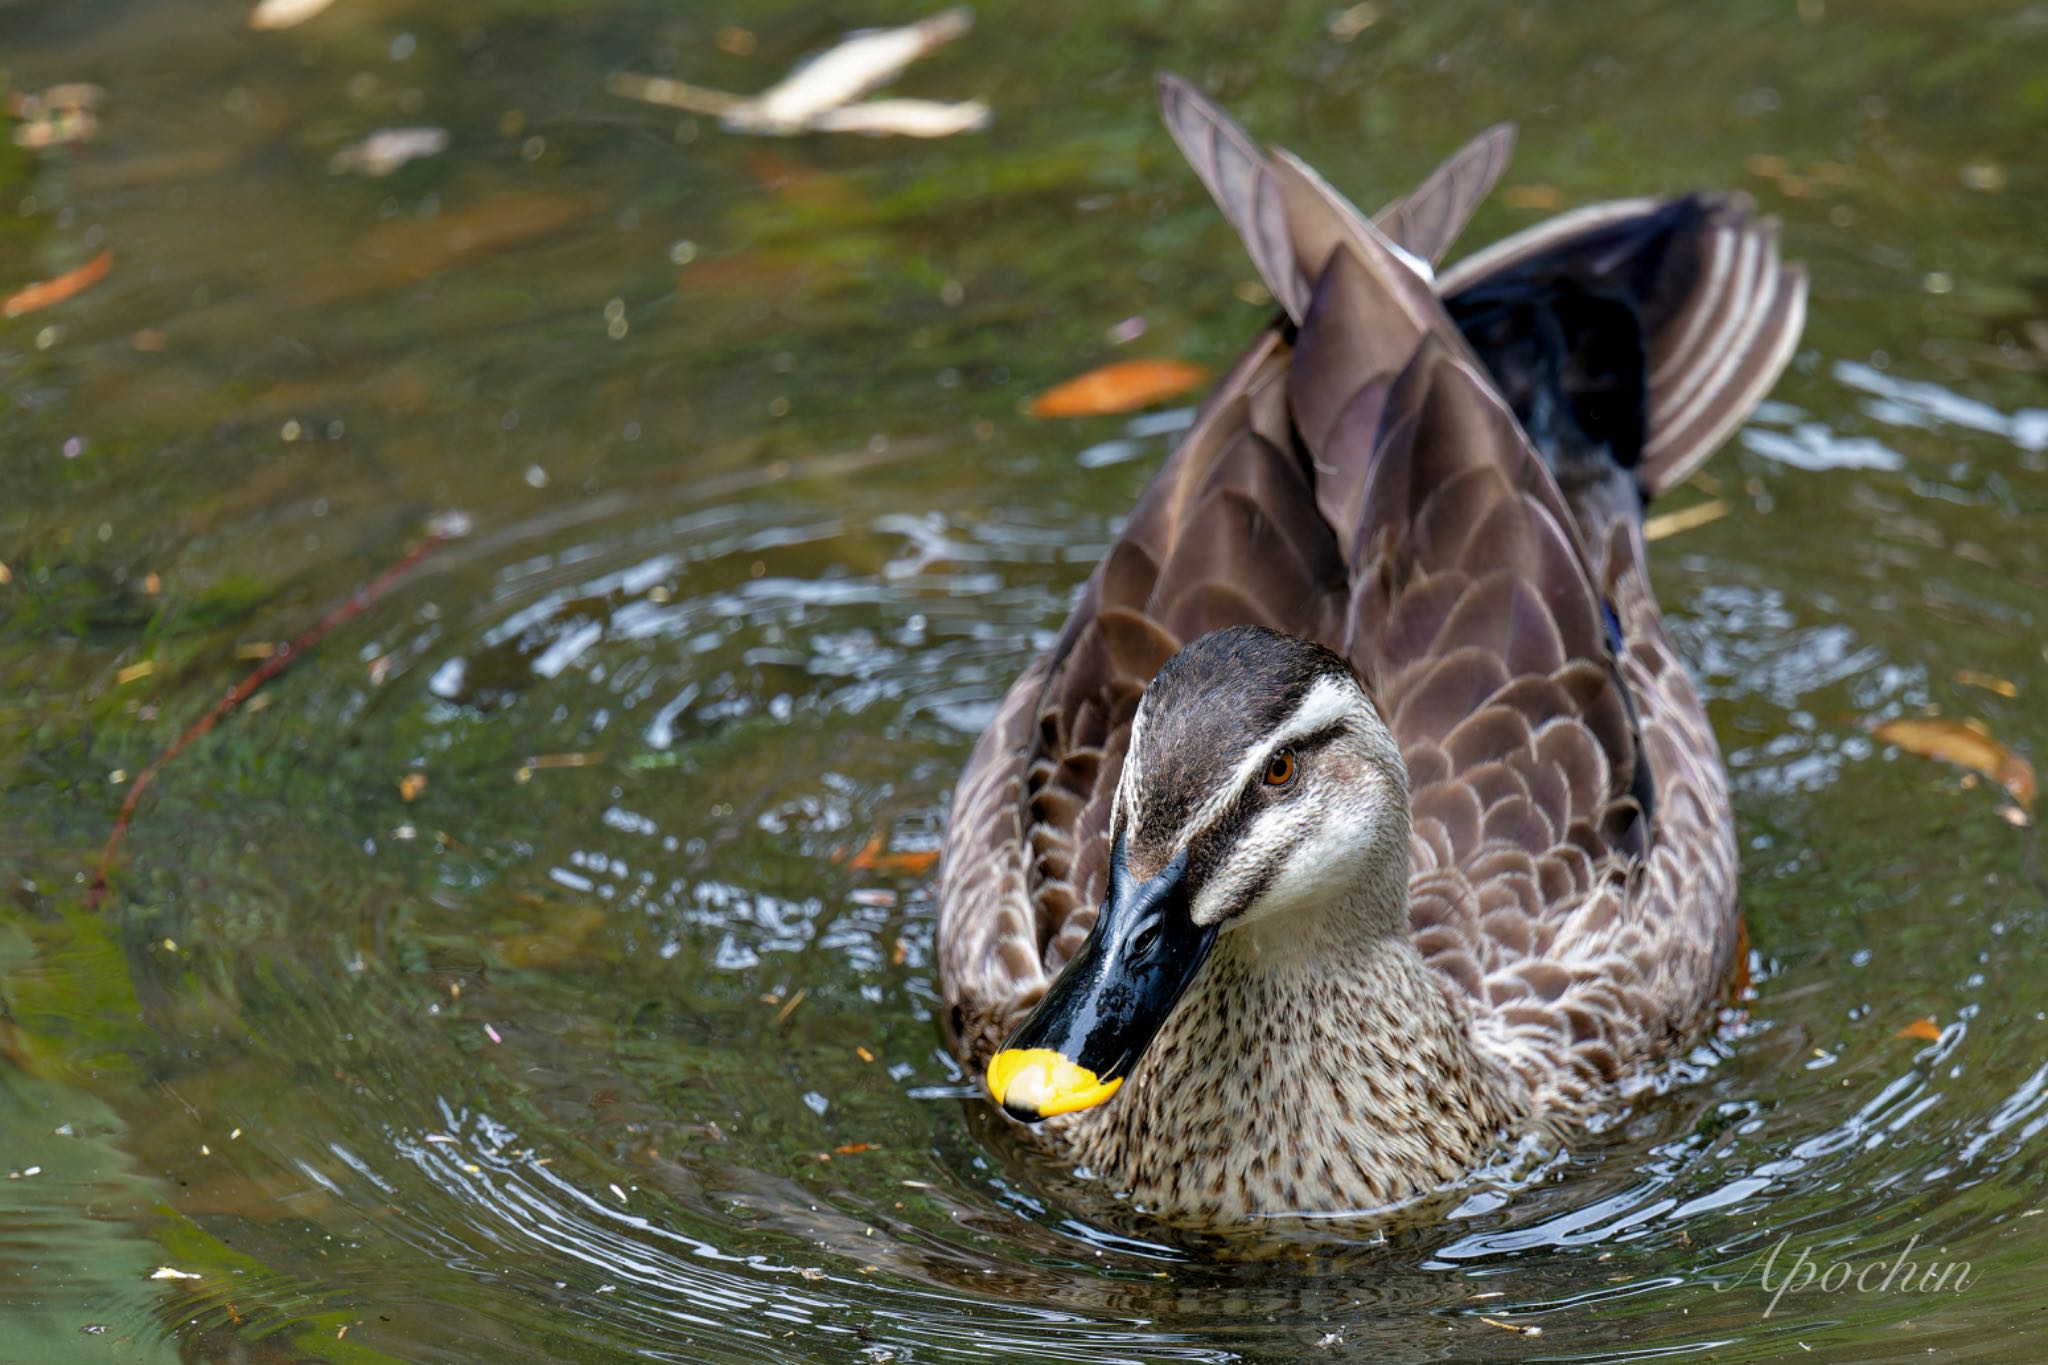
615	1038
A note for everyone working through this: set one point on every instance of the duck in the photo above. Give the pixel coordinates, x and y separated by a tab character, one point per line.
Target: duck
1362	821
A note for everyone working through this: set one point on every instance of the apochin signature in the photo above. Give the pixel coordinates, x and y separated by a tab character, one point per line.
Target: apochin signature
1881	1275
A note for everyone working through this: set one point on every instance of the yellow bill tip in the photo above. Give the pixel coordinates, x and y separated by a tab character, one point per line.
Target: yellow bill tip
1038	1083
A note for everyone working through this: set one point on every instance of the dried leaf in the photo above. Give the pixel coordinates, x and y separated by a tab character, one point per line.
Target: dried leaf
387	149
670	94
411	785
869	857
1666	524
905	118
1925	1030
1990	682
1967	744
1515	1327
62	287
1122	387
274	14
1346	24
818	95
853	1148
864	61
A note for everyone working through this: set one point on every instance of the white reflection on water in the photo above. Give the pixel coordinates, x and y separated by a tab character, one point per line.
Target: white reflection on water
1929	406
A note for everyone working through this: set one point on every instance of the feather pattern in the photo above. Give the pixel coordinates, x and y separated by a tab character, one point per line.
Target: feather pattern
1720	312
1357	480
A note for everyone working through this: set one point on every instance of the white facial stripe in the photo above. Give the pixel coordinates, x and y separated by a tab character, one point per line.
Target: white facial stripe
1329	701
1127	781
1261	847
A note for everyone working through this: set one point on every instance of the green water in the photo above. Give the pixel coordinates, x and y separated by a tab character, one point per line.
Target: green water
570	1059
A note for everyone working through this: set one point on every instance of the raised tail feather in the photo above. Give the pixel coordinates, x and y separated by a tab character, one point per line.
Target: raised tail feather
1289	223
1716	316
1633	335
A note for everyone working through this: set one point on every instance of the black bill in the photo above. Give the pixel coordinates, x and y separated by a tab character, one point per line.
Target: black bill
1075	1049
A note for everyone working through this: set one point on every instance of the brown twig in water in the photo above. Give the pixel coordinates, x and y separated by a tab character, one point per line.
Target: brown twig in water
357	603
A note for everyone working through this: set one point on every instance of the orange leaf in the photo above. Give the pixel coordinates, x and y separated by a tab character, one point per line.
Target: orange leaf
31	297
1122	387
851	1148
1926	1030
1990	682
1967	744
869	857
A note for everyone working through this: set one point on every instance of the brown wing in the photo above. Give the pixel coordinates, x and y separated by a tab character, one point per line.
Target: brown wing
1540	884
1534	736
1721	314
1226	532
1366	487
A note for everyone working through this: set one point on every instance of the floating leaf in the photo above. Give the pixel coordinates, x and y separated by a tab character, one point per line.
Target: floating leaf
818	95
1990	682
1967	744
1925	1030
1346	24
1123	387
862	62
62	287
271	14
869	857
903	118
1684	519
672	94
385	150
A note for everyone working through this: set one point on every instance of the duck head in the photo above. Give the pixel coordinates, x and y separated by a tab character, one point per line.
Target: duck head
1261	796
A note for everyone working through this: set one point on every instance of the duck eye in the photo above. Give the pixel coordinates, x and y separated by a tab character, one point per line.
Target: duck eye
1280	771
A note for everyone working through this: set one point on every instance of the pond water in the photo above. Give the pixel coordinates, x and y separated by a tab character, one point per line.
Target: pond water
540	966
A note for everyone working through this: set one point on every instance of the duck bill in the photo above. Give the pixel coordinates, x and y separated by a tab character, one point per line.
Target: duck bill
1075	1049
